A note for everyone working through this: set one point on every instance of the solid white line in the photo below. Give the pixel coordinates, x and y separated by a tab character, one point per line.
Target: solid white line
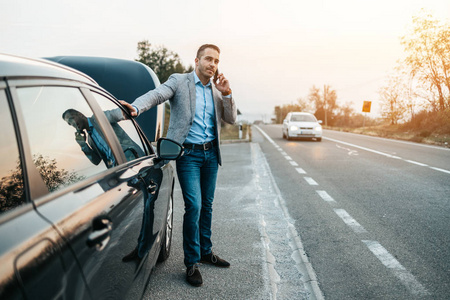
363	148
324	195
399	271
310	181
293	163
350	221
441	170
416	163
300	171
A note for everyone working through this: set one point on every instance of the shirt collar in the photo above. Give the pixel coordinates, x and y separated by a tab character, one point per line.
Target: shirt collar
197	80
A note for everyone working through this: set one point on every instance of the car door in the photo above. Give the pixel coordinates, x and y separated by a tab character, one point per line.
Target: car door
96	205
34	264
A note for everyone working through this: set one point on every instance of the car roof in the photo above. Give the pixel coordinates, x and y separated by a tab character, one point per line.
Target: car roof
12	66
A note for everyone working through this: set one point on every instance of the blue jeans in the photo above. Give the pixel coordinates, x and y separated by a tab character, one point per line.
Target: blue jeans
197	174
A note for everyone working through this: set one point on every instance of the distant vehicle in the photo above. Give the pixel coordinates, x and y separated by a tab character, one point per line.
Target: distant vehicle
80	188
301	125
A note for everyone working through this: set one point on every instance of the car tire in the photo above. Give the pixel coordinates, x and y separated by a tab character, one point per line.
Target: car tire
284	136
167	239
319	139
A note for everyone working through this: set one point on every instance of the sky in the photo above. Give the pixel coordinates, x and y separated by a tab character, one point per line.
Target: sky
272	52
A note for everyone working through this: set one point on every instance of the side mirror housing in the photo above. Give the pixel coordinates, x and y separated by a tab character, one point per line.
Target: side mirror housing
167	149
320	122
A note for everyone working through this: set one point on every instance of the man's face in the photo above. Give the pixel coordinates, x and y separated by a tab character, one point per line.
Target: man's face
207	64
76	121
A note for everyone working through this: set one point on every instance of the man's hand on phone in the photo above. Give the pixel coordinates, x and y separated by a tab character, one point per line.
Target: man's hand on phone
80	138
222	84
129	107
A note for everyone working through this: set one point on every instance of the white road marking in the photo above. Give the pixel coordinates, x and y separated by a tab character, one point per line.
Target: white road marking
352	223
363	148
416	163
386	154
324	195
293	163
283	153
310	181
399	271
300	171
288	157
440	170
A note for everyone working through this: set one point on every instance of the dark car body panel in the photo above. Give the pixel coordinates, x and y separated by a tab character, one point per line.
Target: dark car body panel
69	243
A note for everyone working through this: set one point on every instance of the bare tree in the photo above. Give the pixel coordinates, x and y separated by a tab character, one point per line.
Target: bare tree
428	57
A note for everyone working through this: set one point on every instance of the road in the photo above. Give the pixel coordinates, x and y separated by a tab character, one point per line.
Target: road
373	214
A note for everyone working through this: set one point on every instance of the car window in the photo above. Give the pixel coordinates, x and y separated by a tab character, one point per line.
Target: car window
11	176
125	130
303	118
65	140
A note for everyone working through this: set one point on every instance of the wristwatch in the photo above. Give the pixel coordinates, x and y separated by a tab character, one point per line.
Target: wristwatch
226	93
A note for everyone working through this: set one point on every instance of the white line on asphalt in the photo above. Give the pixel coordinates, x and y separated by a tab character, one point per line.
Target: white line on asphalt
293	163
349	221
324	195
310	181
441	170
416	163
363	148
288	157
399	271
300	171
283	153
386	154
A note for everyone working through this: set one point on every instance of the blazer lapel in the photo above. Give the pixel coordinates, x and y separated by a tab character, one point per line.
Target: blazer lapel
191	87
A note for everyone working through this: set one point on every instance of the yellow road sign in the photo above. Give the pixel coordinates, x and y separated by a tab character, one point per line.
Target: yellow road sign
366	106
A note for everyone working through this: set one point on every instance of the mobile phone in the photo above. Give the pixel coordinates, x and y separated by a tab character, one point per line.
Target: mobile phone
216	75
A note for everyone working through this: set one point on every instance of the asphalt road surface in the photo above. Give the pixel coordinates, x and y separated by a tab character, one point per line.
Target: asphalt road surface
373	214
350	217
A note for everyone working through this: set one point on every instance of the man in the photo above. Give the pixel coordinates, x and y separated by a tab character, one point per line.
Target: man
94	146
197	107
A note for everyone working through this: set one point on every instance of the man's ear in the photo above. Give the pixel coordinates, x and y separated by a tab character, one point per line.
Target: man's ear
196	60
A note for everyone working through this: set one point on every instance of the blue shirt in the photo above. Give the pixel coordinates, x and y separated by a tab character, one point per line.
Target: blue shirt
101	145
202	130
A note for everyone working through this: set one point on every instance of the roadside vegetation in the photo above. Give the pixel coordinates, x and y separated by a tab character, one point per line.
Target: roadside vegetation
414	99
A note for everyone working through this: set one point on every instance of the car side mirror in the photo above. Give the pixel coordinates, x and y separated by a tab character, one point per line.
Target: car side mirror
320	122
168	149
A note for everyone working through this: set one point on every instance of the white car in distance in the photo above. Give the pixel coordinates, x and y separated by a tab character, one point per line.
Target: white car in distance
302	125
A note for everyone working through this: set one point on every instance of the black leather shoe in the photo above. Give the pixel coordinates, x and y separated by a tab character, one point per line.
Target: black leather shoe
193	276
213	259
133	255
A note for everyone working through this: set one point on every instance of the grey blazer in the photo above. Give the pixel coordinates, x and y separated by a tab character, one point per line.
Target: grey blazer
179	89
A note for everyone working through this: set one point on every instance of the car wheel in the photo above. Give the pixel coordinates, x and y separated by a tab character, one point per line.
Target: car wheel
284	136
319	139
167	240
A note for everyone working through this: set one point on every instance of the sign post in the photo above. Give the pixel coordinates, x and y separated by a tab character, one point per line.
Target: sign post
366	109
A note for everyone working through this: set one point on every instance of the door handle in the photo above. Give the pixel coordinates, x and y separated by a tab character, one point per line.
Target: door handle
101	234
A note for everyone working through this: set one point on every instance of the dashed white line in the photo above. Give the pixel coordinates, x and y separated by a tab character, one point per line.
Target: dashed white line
300	171
324	195
293	163
310	181
288	157
352	223
399	271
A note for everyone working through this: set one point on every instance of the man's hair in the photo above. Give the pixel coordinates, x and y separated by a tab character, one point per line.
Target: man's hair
204	47
70	111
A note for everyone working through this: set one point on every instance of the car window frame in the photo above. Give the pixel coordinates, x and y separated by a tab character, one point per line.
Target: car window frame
148	149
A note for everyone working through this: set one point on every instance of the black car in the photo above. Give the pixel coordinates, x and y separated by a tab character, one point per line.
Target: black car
80	188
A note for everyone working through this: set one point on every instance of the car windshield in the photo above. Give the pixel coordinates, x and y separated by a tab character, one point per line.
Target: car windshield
303	118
